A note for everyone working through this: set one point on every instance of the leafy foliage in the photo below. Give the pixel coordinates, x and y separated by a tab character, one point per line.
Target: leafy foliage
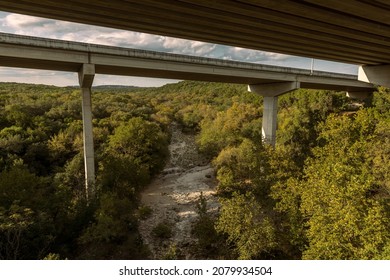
322	193
162	230
341	194
246	224
210	243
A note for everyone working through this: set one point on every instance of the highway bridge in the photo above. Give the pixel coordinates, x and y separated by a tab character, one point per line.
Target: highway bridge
350	31
353	31
49	54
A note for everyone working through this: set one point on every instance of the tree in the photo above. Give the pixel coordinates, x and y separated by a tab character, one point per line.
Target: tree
299	114
229	128
243	168
142	141
13	226
343	198
247	225
26	223
113	234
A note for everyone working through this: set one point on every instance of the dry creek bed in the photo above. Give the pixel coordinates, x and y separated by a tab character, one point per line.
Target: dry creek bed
173	196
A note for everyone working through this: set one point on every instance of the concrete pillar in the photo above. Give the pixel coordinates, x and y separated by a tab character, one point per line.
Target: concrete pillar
377	75
270	93
270	112
86	76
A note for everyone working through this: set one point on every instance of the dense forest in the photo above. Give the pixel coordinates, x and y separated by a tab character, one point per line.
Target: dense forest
322	193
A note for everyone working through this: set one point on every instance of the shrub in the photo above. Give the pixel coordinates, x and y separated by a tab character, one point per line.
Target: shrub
144	212
163	230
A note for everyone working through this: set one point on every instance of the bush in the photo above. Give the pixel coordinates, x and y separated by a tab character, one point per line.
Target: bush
163	230
144	212
210	243
172	253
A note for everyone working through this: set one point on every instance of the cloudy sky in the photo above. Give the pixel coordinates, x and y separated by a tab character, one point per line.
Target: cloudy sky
47	28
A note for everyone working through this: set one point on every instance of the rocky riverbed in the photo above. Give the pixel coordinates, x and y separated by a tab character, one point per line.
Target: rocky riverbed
173	195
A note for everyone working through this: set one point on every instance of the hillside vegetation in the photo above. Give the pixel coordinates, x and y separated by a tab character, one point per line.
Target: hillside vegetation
322	193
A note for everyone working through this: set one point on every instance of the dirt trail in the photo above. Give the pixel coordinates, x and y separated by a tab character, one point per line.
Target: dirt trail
172	196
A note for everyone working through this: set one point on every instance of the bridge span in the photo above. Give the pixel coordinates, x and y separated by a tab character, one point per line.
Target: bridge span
353	31
49	54
91	59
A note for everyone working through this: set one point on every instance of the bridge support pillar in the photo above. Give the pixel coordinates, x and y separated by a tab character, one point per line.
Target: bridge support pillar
270	93
360	95
86	76
270	112
377	75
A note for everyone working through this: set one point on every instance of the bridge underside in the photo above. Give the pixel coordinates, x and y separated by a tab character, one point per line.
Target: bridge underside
354	31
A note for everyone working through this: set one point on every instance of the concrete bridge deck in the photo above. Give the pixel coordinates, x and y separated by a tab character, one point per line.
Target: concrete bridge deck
40	53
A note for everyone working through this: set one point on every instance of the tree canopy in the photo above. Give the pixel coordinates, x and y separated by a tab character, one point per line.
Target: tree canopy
322	193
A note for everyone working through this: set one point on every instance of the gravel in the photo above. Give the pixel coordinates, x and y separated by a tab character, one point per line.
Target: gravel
173	196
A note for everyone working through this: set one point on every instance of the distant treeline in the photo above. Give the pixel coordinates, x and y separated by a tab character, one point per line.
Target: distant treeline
322	193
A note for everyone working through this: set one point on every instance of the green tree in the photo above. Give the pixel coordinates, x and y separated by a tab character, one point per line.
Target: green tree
113	234
248	226
141	140
13	226
343	198
27	222
243	168
300	113
229	128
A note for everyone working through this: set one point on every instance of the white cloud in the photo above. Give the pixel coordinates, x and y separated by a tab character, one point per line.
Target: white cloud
19	22
37	76
27	25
